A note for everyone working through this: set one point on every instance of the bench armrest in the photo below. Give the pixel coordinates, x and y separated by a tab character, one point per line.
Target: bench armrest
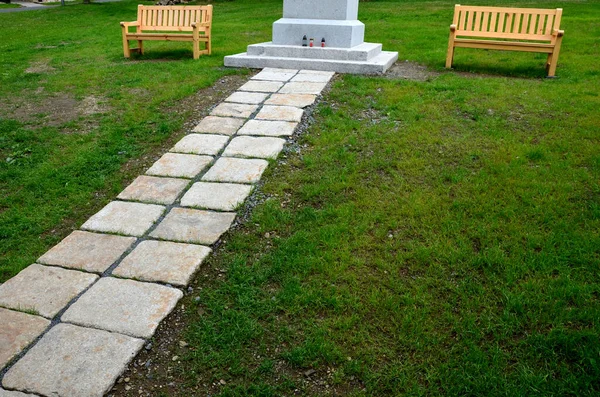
199	25
453	28
128	24
558	33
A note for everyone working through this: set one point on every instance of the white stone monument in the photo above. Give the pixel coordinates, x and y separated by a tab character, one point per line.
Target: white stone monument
337	22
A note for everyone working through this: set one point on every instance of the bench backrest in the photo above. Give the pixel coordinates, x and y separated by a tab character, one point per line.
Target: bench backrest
506	23
173	18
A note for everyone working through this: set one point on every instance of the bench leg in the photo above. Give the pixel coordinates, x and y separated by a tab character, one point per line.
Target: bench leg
450	53
126	49
209	46
141	47
196	49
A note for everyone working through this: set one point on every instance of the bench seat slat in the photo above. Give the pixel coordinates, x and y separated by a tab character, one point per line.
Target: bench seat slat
506	45
163	36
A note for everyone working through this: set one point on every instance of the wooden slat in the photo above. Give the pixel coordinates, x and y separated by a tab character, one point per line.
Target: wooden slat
477	26
501	22
469	21
524	23
509	10
485	21
533	23
509	22
461	24
492	27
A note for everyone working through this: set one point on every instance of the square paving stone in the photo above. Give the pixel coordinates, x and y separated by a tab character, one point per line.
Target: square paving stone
280	113
132	219
44	290
193	226
268	128
163	261
219	125
261	86
201	144
228	169
10	393
311	78
179	165
73	361
280	70
125	306
234	110
17	331
216	196
321	72
254	98
302	88
297	100
274	75
151	189
92	252
257	147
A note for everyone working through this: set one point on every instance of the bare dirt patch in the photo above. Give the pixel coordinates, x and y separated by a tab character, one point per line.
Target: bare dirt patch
40	67
410	71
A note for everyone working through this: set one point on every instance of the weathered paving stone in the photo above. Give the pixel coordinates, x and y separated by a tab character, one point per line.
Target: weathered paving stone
274	75
257	147
179	165
43	290
279	70
132	219
234	170
268	128
297	100
253	98
216	196
311	78
200	144
17	330
320	72
302	88
219	125
125	306
10	393
280	113
73	361
163	261
151	189
234	110
92	252
261	86
193	226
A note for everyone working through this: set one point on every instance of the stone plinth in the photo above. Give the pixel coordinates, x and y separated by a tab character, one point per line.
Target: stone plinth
334	20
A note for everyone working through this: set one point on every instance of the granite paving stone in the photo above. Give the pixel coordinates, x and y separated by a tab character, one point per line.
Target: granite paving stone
321	72
219	125
257	147
92	252
268	128
216	196
17	330
253	98
261	86
280	113
297	100
234	110
279	70
274	75
125	306
11	393
179	165
151	189
71	361
311	78
200	144
302	88
193	226
163	261
228	169
43	290
132	219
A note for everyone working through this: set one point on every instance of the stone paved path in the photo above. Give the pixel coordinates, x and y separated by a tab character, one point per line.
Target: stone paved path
71	323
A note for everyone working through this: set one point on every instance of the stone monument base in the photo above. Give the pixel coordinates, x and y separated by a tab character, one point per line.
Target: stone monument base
365	58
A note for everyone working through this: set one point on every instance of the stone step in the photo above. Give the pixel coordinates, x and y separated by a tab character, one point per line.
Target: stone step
362	52
376	65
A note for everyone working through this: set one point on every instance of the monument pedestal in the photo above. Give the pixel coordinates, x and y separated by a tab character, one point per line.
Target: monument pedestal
335	20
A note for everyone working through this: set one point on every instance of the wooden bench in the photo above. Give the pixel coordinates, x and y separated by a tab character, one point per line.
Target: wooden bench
170	23
515	29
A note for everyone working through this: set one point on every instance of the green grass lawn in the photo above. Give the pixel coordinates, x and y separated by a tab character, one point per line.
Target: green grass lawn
435	237
5	5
